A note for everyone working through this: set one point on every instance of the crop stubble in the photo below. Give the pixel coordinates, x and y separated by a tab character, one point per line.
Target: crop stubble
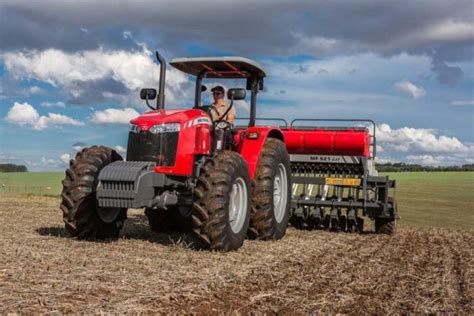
43	270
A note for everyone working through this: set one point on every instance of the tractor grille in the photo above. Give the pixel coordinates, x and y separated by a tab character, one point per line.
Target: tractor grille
159	148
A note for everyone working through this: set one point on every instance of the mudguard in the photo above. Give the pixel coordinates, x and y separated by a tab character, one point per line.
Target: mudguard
251	141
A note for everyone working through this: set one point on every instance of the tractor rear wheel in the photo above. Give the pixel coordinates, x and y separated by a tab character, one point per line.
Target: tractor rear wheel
271	193
82	216
221	208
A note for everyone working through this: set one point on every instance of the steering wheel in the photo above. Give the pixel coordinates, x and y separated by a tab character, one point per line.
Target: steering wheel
222	124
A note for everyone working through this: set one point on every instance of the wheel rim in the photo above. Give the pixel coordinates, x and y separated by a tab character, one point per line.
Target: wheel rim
280	193
108	214
238	205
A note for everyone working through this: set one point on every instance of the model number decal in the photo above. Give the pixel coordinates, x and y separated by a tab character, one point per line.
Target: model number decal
325	159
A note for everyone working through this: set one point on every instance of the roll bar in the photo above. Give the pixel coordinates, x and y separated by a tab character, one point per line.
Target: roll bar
254	84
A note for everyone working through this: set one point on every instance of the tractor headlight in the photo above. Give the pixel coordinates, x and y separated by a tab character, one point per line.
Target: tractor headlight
164	128
135	128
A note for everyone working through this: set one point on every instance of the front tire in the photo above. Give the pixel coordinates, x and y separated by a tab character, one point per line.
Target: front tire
221	208
272	192
81	214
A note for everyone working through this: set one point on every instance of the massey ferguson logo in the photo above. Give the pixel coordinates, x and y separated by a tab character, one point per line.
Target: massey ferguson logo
198	121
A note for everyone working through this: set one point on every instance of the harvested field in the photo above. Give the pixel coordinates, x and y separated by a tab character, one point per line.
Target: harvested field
43	270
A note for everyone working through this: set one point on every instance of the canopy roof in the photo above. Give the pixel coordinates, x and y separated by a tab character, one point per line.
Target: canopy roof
219	67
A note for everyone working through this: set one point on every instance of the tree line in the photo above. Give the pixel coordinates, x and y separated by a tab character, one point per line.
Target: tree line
403	167
9	167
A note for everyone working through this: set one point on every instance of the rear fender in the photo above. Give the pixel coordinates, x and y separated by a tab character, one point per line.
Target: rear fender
250	147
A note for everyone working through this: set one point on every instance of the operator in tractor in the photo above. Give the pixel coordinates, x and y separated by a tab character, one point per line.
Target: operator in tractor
219	109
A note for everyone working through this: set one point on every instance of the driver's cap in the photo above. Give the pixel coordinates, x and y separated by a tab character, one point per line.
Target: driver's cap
218	88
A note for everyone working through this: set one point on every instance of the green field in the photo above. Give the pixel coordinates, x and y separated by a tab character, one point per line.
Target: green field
425	199
436	199
38	183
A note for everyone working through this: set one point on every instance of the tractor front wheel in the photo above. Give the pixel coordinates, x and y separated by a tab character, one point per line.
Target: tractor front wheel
221	208
272	192
82	216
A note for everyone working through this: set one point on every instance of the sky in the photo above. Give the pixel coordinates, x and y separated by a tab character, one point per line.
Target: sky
71	71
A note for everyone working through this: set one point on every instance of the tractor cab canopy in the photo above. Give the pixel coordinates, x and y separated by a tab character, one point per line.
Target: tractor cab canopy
219	67
224	68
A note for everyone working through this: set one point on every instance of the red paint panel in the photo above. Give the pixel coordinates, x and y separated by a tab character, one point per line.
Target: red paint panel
327	142
250	149
189	143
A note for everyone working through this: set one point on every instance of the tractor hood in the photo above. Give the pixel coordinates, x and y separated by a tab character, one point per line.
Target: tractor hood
147	120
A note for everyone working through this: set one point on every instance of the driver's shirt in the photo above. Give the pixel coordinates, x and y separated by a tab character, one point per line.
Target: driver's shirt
219	108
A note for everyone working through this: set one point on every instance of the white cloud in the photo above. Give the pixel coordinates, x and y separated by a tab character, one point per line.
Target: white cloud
383	160
22	113
114	116
433	160
65	158
409	139
410	88
57	120
72	71
7	157
422	146
336	88
25	114
53	104
78	146
462	102
449	30
35	90
49	161
120	149
316	44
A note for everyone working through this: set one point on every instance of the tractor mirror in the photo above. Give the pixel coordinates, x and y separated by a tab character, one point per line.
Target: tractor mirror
236	94
148	94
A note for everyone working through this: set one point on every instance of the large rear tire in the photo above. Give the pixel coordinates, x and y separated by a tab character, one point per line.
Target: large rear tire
81	214
271	194
221	208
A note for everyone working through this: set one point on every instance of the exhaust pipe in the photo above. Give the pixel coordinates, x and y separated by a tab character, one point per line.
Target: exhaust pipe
160	102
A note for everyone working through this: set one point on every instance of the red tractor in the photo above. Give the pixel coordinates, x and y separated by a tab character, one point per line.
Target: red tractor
225	183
